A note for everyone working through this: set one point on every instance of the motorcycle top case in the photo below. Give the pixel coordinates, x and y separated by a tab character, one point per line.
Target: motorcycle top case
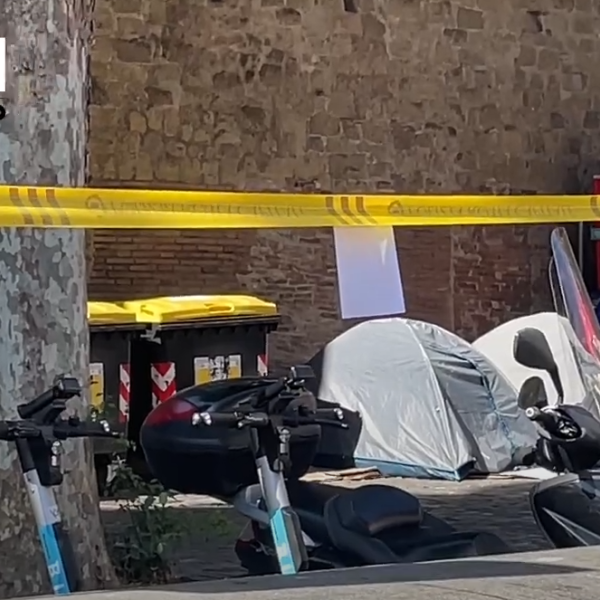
213	460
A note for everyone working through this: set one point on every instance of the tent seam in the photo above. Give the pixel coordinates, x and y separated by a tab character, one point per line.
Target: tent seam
494	406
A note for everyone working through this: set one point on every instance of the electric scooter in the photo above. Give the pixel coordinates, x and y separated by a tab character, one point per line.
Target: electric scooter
243	447
38	435
566	506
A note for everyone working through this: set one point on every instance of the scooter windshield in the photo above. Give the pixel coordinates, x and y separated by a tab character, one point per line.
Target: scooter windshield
572	301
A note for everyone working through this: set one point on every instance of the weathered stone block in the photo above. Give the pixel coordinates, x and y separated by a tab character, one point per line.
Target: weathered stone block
591	119
527	57
467	18
574	82
135	50
347	165
583	25
324	124
127	6
159	97
403	136
288	16
548	60
557	121
137	122
456	36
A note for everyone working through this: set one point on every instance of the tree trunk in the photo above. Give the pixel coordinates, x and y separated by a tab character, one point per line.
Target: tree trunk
43	328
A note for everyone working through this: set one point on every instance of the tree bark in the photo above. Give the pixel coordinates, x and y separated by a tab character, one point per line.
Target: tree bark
43	326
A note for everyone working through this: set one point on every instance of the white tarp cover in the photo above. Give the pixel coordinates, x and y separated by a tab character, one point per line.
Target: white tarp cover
432	406
576	368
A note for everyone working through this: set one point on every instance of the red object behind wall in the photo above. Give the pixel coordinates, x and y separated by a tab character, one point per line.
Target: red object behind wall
597	225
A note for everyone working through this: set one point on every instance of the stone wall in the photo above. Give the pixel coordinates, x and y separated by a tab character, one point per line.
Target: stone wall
333	95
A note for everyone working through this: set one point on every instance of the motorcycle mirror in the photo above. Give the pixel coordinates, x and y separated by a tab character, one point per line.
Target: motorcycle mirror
531	349
302	372
532	394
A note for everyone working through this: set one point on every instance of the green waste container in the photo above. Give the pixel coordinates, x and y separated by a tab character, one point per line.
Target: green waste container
160	345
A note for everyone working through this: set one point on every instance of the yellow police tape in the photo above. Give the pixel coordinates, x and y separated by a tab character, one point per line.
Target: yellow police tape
159	209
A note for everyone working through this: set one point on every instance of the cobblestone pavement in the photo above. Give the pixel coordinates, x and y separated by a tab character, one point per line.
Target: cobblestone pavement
498	505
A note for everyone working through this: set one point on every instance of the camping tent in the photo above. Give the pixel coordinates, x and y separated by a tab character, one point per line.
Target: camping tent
579	372
431	405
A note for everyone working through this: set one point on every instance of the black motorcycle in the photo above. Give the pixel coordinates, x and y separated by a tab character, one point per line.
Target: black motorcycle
567	506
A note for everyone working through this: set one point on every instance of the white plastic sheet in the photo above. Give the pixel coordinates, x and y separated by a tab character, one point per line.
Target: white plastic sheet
369	280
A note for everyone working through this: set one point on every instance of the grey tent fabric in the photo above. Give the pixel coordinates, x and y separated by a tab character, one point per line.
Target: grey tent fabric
432	406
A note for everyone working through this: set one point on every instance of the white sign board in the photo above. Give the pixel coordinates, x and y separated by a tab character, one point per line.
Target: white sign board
369	280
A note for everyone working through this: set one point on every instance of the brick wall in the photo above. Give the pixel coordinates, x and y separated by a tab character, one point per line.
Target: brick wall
422	96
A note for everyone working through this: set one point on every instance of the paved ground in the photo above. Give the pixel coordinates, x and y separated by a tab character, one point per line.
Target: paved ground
561	574
497	505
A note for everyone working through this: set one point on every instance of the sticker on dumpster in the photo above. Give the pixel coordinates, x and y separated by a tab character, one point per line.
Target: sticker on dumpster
164	384
215	368
124	392
97	386
262	367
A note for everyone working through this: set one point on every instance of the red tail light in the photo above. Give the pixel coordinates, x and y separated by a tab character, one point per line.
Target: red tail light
173	410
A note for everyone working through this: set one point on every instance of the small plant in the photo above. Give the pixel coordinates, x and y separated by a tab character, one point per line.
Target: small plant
140	551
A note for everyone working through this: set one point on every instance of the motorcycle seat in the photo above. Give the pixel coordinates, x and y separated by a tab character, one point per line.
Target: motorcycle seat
373	509
370	509
381	525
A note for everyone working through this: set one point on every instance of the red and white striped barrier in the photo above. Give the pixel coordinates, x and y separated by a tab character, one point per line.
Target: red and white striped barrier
262	365
124	392
164	384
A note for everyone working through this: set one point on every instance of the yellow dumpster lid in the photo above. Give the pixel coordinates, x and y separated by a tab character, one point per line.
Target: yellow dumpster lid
170	309
109	313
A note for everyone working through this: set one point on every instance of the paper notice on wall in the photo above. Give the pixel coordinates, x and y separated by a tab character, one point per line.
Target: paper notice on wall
369	280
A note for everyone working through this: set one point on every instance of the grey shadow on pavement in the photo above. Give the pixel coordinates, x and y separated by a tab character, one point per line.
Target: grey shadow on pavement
414	573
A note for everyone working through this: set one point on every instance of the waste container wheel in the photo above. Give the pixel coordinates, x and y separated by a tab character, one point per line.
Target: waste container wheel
101	464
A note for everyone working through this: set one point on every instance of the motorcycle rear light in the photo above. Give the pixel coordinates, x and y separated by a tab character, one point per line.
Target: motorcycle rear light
173	410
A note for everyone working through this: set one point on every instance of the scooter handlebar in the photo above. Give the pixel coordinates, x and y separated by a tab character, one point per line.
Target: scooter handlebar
78	429
64	388
69	428
274	389
332	414
215	419
327	417
13	430
38	404
546	419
